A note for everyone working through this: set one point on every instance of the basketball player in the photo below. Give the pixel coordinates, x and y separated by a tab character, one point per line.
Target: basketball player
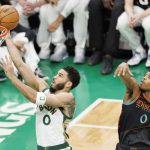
137	13
55	104
134	123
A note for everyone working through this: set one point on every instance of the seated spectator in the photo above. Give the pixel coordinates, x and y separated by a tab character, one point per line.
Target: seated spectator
23	39
104	45
80	11
24	42
25	12
137	13
48	13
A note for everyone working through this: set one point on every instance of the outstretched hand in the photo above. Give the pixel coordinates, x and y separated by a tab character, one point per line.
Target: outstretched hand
7	65
122	70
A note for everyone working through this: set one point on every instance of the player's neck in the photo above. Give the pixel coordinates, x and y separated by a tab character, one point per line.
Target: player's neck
61	91
147	95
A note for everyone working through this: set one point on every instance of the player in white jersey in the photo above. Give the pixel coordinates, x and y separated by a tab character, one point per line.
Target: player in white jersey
55	105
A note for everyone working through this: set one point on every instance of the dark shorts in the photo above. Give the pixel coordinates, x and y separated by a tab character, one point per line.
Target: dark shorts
56	147
124	147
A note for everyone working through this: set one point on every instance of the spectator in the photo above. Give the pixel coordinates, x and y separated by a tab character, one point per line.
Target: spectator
24	41
109	45
137	13
80	11
48	13
25	12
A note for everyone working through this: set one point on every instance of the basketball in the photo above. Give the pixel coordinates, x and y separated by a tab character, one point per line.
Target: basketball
9	17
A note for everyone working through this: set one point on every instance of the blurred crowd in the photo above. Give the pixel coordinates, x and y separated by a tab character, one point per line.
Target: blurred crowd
48	27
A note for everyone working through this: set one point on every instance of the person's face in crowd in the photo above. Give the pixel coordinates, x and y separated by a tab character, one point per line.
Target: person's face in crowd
145	82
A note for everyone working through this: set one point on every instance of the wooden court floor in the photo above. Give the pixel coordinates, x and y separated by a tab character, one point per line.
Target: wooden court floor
96	127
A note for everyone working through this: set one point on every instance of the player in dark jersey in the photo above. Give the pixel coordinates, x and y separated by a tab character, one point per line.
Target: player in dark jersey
134	122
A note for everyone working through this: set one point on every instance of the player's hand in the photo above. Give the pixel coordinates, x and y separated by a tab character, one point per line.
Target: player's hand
135	20
7	66
108	4
130	20
122	70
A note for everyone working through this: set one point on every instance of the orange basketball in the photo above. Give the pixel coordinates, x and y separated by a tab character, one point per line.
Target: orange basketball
9	17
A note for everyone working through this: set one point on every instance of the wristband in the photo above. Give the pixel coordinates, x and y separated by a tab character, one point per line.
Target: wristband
41	98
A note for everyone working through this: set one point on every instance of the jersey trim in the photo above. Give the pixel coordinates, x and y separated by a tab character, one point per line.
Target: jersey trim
130	103
56	147
65	116
45	89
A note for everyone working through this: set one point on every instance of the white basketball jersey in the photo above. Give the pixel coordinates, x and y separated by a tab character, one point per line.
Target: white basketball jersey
49	126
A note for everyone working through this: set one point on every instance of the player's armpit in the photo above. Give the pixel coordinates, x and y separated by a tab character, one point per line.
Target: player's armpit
132	91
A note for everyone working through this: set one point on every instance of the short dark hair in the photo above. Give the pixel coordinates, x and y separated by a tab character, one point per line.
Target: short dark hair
73	75
5	2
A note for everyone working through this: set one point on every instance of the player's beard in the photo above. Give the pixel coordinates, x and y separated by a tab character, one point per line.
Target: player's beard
57	87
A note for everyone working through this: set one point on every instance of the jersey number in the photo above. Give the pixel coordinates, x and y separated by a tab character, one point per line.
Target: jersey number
143	2
143	118
46	120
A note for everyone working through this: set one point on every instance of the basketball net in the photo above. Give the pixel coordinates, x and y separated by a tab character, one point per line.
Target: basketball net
3	34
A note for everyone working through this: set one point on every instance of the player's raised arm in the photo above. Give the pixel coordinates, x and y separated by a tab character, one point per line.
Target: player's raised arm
23	68
131	84
61	99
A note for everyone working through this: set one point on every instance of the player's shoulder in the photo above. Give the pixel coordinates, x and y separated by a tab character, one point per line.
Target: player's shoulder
67	94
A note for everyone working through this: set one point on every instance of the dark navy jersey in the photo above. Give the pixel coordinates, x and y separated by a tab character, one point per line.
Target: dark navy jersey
142	3
134	123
